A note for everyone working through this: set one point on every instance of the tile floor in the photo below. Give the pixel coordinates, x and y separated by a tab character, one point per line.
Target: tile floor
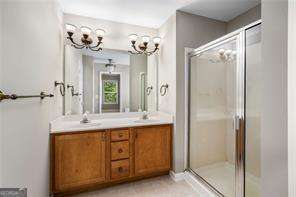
162	186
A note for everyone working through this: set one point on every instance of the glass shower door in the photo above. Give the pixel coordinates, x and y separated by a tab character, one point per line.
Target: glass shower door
215	106
253	111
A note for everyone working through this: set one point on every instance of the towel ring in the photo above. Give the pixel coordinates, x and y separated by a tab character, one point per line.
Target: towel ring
163	89
62	87
148	90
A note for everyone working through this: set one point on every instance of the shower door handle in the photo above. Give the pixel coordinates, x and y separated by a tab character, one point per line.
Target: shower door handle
239	125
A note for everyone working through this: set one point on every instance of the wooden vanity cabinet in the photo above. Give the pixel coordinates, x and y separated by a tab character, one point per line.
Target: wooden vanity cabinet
152	149
79	159
92	159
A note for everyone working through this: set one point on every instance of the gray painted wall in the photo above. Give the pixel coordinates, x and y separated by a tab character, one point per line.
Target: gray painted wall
274	160
192	31
244	19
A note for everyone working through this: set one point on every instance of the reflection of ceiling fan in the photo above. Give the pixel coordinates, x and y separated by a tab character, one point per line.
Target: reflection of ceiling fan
110	66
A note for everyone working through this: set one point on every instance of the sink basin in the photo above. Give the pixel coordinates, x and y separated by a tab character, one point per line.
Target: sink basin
145	121
85	125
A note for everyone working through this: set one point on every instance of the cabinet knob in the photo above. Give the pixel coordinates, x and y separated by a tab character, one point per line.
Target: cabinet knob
120	169
120	135
120	150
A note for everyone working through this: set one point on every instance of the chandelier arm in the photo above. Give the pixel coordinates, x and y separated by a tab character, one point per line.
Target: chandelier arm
75	43
131	52
135	53
151	52
99	49
78	47
93	47
135	48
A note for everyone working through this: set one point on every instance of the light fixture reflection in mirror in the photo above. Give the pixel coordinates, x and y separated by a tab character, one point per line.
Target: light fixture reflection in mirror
110	66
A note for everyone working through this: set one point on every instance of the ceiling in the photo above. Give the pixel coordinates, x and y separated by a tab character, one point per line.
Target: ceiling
223	10
153	13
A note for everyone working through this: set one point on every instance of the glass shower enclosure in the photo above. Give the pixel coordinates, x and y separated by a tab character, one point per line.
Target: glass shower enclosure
224	91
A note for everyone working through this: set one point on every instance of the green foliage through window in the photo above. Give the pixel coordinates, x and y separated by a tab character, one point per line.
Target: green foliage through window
110	88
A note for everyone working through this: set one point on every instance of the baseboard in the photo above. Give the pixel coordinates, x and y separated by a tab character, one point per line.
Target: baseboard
177	176
201	189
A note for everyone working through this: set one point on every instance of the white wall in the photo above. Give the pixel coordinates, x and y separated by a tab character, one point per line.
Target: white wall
167	73
116	33
274	140
88	70
138	64
1	76
167	65
152	78
73	76
292	98
32	61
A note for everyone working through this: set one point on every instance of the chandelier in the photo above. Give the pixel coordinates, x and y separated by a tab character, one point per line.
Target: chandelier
142	47
110	66
86	38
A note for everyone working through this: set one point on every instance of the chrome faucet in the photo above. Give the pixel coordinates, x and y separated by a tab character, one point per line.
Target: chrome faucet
145	115
85	118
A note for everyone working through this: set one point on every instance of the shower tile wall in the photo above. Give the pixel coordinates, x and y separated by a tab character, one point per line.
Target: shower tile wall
214	124
211	112
209	120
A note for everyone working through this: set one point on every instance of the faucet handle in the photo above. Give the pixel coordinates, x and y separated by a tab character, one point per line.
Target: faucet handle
84	117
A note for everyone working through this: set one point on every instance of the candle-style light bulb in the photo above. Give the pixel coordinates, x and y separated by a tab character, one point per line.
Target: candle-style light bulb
156	40
100	33
145	39
85	30
133	37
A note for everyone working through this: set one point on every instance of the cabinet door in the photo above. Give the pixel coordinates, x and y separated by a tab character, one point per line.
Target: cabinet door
152	149
79	160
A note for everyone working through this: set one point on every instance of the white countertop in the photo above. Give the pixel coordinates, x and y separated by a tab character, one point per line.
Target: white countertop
107	121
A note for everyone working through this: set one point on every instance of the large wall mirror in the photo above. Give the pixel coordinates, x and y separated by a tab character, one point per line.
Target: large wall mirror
109	81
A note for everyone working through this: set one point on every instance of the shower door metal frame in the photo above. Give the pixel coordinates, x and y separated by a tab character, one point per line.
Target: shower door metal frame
239	111
239	119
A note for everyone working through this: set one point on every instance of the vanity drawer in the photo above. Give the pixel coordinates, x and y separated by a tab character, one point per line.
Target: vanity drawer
119	150
120	169
119	135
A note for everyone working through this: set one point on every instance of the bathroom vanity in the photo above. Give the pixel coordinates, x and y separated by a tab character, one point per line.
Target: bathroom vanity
108	151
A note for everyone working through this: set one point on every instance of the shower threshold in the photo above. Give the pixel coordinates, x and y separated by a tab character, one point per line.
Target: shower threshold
221	177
